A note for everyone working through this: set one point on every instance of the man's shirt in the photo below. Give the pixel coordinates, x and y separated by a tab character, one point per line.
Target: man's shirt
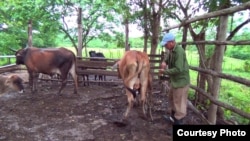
178	68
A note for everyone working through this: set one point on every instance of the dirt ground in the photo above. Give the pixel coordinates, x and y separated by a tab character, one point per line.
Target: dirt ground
87	116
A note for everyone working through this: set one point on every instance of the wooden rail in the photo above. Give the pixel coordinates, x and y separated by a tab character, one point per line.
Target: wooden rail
85	66
11	67
101	66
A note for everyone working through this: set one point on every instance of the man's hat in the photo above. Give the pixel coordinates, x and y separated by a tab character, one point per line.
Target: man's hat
166	38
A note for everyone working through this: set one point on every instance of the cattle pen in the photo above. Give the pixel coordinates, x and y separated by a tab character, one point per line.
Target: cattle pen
87	66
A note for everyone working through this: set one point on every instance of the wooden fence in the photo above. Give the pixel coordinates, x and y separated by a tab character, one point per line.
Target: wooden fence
220	43
99	66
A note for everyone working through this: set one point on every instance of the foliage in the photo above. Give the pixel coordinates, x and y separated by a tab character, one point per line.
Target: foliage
98	21
247	66
16	14
235	95
238	52
52	17
119	40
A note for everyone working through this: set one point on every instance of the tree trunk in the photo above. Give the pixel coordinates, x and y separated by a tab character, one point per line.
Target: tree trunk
145	47
155	27
145	26
184	36
127	47
79	22
30	33
201	78
218	59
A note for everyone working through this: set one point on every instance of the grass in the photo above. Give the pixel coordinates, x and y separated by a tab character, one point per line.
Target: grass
232	93
236	95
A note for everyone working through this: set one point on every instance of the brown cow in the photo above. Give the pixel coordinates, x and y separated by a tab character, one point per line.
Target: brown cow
11	83
49	61
134	70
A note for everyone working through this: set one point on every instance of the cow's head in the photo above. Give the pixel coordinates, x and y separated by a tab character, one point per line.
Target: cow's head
20	56
116	66
14	83
92	53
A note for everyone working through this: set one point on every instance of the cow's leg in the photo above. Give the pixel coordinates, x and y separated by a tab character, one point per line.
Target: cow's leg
72	72
84	80
31	81
87	77
149	102
143	97
100	79
64	82
129	83
130	104
149	97
144	78
35	79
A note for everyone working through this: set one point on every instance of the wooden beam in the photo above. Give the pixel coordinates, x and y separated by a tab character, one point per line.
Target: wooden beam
222	75
242	42
96	72
221	104
226	11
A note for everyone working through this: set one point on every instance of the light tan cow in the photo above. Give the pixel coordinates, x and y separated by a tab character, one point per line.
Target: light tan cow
134	70
11	83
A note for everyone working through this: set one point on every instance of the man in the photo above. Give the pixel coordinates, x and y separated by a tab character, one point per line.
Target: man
178	71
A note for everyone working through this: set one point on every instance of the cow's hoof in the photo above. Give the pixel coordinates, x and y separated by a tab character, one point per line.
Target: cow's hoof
59	94
121	123
33	91
143	116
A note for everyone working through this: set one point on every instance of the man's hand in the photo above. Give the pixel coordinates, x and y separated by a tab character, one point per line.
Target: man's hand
163	65
161	71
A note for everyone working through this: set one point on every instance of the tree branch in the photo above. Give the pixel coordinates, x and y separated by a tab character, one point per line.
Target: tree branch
237	29
226	11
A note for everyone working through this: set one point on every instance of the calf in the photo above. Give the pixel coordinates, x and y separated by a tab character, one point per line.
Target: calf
11	83
134	70
94	56
49	61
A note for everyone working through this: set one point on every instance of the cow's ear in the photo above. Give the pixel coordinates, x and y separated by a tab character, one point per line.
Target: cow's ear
20	79
11	49
7	81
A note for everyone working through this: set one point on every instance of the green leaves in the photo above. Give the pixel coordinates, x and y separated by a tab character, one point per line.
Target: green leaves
17	13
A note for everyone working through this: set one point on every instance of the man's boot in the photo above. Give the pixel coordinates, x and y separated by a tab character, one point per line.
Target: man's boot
170	118
178	122
172	113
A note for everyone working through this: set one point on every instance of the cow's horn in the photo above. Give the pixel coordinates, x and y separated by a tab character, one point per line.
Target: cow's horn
12	49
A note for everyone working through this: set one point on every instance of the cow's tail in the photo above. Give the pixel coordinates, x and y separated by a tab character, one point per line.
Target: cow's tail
73	74
115	66
137	74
